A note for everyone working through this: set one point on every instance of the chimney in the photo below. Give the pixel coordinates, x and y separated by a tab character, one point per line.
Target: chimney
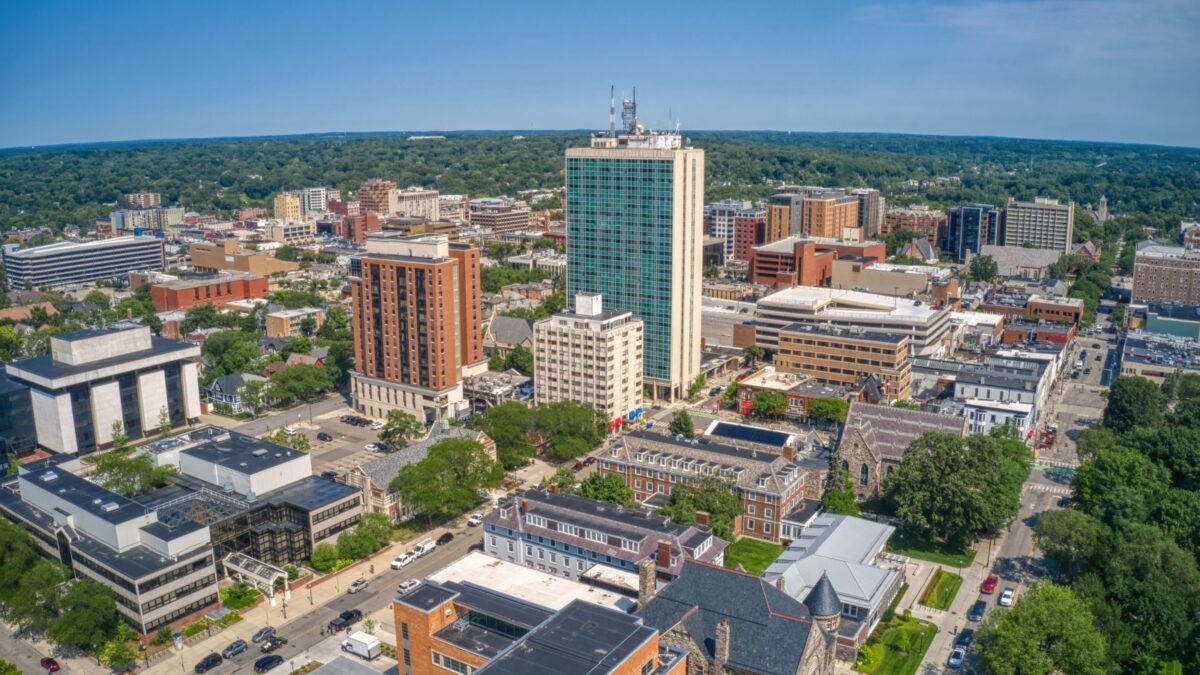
647	582
721	649
664	553
779	583
554	488
702	518
789	453
522	506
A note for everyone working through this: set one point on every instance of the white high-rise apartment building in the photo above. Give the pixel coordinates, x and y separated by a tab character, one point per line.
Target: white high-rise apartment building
591	356
313	200
1042	223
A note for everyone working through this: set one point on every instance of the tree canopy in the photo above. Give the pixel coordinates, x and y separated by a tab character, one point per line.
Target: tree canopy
1049	631
448	481
711	494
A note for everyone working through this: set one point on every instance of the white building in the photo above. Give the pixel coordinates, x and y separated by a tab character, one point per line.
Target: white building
720	220
982	416
592	356
93	378
313	200
415	202
1042	223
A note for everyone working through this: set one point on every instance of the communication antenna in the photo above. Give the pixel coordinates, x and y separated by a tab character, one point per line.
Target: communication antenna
612	111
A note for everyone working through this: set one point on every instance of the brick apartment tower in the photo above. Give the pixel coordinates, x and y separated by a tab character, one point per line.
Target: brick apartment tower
417	317
376	196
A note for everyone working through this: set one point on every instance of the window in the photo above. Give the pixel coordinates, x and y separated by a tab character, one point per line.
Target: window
404	630
750	509
863	474
849	610
451	664
750	524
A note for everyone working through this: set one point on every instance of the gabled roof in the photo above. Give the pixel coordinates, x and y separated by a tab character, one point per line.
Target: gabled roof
889	430
510	331
768	630
841	550
926	249
232	384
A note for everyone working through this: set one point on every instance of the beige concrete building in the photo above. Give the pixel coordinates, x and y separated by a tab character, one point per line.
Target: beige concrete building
287	323
844	356
592	356
1043	223
289	231
872	276
415	202
229	255
287	206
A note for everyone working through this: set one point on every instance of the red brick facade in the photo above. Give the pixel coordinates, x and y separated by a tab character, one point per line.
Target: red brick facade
170	296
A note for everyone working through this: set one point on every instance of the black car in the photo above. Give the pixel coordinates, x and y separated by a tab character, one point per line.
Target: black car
267	662
208	663
445	539
346	618
324	437
236	647
977	610
273	643
329	475
964	638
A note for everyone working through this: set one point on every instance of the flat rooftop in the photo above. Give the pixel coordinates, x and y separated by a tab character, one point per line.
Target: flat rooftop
206	280
844	333
850	304
237	451
750	434
45	366
528	584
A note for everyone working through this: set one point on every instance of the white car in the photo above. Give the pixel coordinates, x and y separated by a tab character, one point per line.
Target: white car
475	520
377	426
408	585
1006	598
373	447
290	431
402	560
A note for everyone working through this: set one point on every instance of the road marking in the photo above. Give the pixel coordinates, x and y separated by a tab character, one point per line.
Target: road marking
1052	489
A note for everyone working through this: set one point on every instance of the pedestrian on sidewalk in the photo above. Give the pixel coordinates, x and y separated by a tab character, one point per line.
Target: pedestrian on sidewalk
372	568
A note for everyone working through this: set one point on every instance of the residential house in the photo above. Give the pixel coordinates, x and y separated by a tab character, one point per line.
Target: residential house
227	390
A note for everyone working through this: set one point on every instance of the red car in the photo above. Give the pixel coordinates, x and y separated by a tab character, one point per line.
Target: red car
989	585
50	665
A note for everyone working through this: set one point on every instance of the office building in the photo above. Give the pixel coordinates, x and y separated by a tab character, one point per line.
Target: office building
806	261
93	378
418	202
768	485
1165	318
875	438
1155	357
644	255
287	206
417	325
727	219
216	289
289	232
567	536
751	230
66	263
376	196
143	199
18	433
499	215
1042	223
313	200
591	356
968	228
831	215
784	214
1162	274
452	208
156	218
929	328
874	276
288	323
797	389
871	206
918	218
844	356
848	552
228	255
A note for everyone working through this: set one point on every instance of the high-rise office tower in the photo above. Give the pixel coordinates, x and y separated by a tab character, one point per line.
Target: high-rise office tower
968	228
635	203
417	318
871	206
1042	223
287	206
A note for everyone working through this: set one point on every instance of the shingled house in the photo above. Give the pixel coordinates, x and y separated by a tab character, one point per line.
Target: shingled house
876	436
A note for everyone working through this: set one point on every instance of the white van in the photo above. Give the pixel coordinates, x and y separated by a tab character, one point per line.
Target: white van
424	547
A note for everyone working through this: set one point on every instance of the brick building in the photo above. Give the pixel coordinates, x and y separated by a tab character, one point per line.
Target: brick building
1166	274
376	196
805	261
844	356
919	218
180	294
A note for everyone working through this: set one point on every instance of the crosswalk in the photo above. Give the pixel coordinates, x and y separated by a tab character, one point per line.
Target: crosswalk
1052	489
1059	463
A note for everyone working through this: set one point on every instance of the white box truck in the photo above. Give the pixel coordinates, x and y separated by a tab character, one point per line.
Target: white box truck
363	645
424	547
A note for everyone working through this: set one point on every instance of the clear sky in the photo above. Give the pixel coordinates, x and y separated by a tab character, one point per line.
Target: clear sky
1115	70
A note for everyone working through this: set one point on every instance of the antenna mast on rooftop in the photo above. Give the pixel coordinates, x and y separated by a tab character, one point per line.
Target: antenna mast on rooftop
629	113
612	111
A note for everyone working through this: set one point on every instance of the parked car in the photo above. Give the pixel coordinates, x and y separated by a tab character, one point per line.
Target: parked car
273	644
715	390
589	461
1099	357
50	665
345	419
346	618
408	584
359	584
267	662
324	437
208	663
445	539
475	547
290	430
965	636
475	520
989	585
329	475
977	610
1064	501
956	658
423	547
262	634
402	560
376	426
374	447
236	647
1006	598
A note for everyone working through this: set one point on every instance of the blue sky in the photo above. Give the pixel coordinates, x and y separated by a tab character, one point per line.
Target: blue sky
1114	70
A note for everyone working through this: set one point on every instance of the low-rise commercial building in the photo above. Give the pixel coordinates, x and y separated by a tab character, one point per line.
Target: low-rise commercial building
229	255
1154	357
983	416
499	215
1165	318
289	232
799	390
290	322
549	262
844	356
94	378
873	276
182	294
68	262
1028	332
805	261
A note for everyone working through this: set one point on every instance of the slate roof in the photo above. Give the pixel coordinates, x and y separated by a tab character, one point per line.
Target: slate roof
888	430
768	630
823	600
926	249
510	331
747	464
381	471
233	383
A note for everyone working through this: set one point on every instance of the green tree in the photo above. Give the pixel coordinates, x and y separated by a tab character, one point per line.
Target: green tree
571	429
297	441
828	410
984	268
497	362
38	597
17	554
11	344
753	354
117	653
448	481
1050	631
7	668
123	471
301	382
324	557
608	487
768	403
508	425
681	425
521	359
1132	401
373	532
697	386
119	438
164	421
400	428
713	495
251	394
563	480
1069	537
841	500
729	395
1119	486
308	326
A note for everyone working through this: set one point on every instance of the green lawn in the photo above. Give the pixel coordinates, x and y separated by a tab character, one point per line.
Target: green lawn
940	591
752	554
896	648
921	547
